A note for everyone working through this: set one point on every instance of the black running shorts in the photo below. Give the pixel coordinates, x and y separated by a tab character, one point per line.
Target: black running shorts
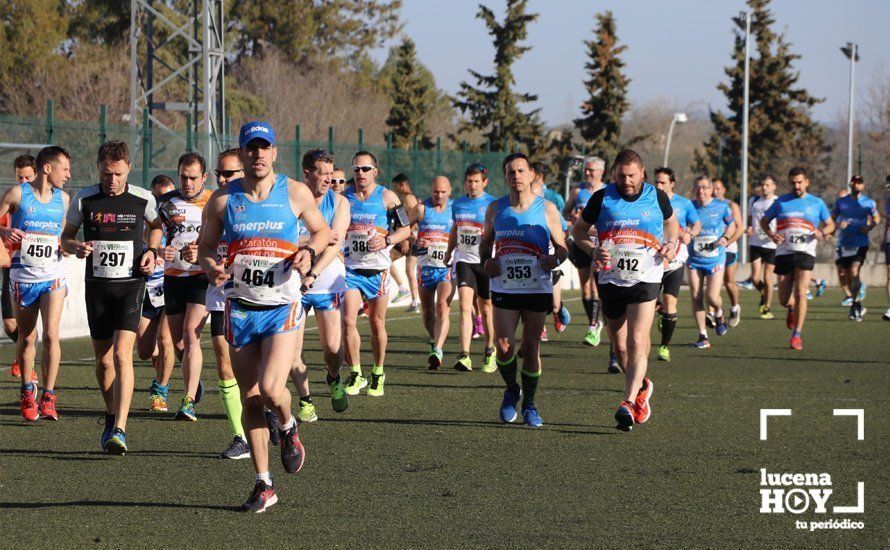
473	276
179	291
217	323
766	255
540	303
787	263
578	257
671	281
615	299
847	261
6	296
113	306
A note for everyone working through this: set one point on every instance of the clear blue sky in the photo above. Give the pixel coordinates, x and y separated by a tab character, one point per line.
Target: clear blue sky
676	49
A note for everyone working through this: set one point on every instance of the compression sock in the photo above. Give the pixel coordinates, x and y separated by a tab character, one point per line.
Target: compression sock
230	395
595	308
508	371
588	308
668	324
529	386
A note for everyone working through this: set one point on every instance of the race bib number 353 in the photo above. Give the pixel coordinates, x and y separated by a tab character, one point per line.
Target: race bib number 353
520	273
112	259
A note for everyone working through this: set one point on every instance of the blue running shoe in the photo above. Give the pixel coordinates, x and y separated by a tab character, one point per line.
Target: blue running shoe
848	301
508	405
530	417
199	393
106	432
117	443
625	416
820	288
562	319
721	329
861	293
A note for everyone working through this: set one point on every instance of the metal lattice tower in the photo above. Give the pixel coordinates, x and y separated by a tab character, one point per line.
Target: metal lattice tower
194	87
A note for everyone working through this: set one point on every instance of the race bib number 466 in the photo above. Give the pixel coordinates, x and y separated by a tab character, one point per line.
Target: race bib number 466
112	259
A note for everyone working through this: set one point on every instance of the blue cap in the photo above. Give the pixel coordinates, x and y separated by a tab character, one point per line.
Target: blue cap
256	130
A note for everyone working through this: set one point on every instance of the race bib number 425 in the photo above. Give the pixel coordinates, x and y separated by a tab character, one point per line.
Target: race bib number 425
112	259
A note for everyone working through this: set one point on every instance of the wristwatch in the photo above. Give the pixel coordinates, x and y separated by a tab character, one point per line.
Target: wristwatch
387	240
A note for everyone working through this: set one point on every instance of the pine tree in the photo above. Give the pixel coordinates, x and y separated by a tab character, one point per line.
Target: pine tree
410	99
781	132
492	105
600	125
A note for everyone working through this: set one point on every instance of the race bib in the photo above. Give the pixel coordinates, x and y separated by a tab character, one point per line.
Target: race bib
628	264
798	239
847	251
178	262
705	246
112	259
358	244
156	296
520	273
39	250
435	253
259	279
468	238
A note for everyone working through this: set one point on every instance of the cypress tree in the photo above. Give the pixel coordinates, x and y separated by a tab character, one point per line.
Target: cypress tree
410	99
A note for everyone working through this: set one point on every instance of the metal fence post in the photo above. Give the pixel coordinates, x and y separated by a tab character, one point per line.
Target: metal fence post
361	139
189	135
389	155
414	161
103	134
146	149
298	149
331	139
438	155
50	120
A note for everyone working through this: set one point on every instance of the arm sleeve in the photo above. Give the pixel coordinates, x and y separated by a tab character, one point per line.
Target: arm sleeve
591	212
664	202
75	214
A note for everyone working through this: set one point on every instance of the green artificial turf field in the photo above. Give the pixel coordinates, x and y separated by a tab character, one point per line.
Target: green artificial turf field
430	464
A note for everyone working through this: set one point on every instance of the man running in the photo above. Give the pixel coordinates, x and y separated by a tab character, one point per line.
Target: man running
153	340
689	226
472	282
637	233
325	285
112	215
707	258
39	286
561	315
594	167
402	187
732	254
762	250
185	283
228	168
338	181
25	167
855	215
434	220
372	210
801	220
259	216
519	229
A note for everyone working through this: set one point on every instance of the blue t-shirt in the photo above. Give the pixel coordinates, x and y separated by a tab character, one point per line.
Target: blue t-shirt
854	211
704	252
797	218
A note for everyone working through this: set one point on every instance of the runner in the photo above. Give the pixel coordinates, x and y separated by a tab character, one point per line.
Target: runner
637	233
338	181
519	229
259	217
843	281
732	254
561	315
707	258
372	208
435	219
112	214
594	168
689	226
761	250
185	284
798	216
25	167
472	282
855	215
39	286
153	340
402	187
325	284
228	168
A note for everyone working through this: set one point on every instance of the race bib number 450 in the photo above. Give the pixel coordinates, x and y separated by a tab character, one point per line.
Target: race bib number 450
39	250
520	273
112	259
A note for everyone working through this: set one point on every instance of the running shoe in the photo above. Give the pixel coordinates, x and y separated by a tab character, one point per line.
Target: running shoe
490	364
614	365
463	363
237	450
789	319
375	388
401	295
508	404
339	397
413	308
721	327
702	342
735	316
306	412
710	320
747	285
847	302
260	498
796	343
625	416
530	417
664	353
272	424
293	455
765	313
187	410
642	410
544	337
820	287
435	359
562	319
106	431
15	370
809	295
886	315
117	442
29	402
158	403
48	407
199	394
861	312
478	329
853	312
355	383
592	338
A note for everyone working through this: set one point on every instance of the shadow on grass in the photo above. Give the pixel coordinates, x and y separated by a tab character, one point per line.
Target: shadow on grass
800	359
100	455
475	423
97	414
113	503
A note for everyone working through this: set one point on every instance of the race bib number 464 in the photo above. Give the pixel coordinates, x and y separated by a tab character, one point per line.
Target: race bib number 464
258	278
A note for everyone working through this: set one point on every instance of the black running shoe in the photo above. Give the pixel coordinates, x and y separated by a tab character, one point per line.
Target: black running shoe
237	450
292	452
272	421
261	498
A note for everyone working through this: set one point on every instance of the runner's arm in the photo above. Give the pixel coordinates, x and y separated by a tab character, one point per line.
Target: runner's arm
8	204
570	205
402	233
737	222
338	229
4	256
211	232
486	254
557	235
303	204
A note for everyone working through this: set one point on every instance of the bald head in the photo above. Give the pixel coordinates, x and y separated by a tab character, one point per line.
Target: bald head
440	190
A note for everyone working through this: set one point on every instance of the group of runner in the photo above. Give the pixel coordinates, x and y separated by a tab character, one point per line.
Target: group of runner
259	253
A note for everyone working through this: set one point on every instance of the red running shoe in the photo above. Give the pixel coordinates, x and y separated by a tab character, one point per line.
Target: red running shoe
789	319
293	455
15	370
48	407
29	403
260	499
796	343
642	410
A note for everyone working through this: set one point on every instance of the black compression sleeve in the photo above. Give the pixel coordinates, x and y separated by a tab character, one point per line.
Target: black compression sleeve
664	202
591	212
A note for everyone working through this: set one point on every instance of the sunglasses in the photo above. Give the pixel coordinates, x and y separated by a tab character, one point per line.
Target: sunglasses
365	169
226	173
338	181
